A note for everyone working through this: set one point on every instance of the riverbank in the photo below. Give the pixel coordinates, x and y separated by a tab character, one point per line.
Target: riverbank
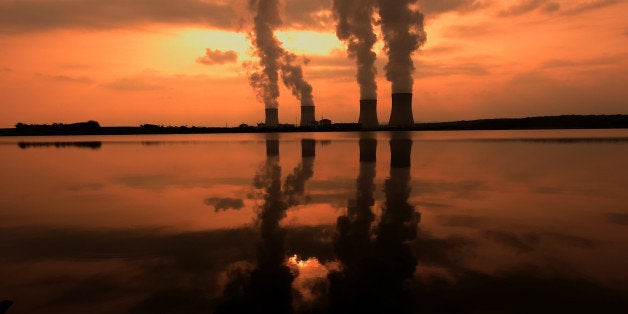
549	122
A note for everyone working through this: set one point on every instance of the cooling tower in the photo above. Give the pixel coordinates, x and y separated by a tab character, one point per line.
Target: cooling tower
272	117
308	148
368	150
368	113
401	113
308	117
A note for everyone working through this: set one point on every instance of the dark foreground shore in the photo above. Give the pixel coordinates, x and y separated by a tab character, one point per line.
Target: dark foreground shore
618	121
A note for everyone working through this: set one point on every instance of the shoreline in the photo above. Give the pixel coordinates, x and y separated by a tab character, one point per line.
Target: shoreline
618	121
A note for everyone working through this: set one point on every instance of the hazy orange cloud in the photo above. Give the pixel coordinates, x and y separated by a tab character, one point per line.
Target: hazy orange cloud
131	63
212	57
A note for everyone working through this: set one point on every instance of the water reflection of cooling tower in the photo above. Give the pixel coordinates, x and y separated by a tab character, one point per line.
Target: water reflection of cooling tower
401	113
272	147
308	117
271	279
352	289
308	148
399	218
397	226
400	150
368	113
272	117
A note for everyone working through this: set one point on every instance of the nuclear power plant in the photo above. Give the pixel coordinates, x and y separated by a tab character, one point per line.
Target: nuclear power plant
308	116
272	117
368	113
401	112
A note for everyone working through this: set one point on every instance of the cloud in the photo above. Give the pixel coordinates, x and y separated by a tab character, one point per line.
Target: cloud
311	14
549	6
213	57
43	15
521	244
38	15
581	90
224	203
469	31
425	70
442	6
67	78
134	84
440	50
526	6
460	221
585	6
572	240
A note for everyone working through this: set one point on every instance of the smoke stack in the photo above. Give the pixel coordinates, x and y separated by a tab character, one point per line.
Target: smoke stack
401	114
272	117
368	113
307	116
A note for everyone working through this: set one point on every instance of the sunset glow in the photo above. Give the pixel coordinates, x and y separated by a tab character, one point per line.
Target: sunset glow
130	64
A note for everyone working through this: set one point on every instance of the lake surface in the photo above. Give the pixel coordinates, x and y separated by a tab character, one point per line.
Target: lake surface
391	222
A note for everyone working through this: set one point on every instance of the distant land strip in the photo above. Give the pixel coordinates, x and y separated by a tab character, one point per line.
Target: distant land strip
617	121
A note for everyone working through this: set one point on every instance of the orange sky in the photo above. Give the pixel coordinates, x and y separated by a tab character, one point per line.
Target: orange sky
128	63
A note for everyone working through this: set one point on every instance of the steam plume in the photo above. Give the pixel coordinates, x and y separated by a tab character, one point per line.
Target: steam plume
404	33
273	58
355	28
292	76
268	48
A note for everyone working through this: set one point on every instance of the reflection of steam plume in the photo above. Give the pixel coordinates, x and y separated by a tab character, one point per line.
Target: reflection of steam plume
375	270
403	33
295	182
350	290
271	280
355	226
355	28
269	289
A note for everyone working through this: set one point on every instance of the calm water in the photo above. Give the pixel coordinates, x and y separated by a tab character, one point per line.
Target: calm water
498	221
